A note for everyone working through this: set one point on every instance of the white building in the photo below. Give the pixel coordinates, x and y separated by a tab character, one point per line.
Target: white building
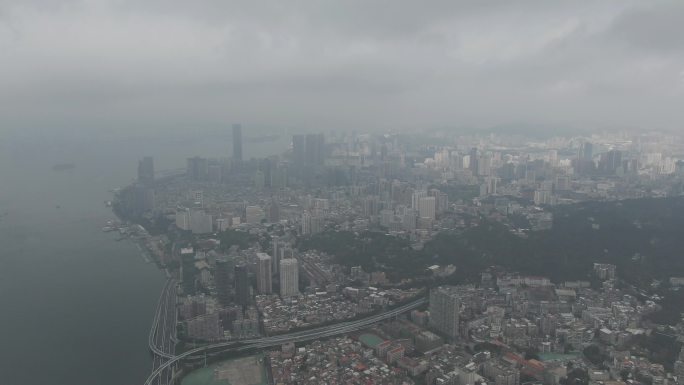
416	197
264	283
183	219
312	224
426	207
306	223
289	277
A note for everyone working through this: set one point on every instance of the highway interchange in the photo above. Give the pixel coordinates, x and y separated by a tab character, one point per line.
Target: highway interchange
162	335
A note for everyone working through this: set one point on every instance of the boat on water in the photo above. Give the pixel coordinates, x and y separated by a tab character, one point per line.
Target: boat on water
107	229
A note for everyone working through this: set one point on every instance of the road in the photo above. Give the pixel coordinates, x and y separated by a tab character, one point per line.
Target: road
162	337
306	335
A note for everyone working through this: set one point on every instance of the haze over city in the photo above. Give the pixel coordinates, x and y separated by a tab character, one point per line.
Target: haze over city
98	65
341	192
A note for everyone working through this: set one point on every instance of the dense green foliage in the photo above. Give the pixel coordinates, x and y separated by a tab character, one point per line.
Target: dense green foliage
672	308
660	347
576	376
463	192
642	237
230	238
594	355
371	250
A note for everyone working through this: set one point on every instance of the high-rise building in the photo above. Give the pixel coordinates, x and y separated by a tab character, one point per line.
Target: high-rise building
237	142
315	149
562	183
473	160
484	165
299	150
585	158
308	150
317	223
222	281
264	283
441	200
289	277
489	186
259	180
611	161
198	168
276	246
242	286
371	205
273	211
415	198
426	207
444	310
306	223
408	220
183	219
312	223
146	170
586	151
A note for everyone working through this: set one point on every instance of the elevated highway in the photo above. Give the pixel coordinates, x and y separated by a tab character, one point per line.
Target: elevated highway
301	336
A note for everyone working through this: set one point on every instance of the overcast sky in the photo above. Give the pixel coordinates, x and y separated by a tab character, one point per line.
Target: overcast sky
361	64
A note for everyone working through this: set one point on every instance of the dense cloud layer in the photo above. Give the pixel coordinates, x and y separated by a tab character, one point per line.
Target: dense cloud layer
104	64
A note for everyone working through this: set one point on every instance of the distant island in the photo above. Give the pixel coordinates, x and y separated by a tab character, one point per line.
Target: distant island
63	166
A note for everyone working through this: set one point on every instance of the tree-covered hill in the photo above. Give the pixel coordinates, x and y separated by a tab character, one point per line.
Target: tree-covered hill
643	237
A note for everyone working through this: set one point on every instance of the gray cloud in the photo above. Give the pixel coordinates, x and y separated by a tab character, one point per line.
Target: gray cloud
330	64
652	27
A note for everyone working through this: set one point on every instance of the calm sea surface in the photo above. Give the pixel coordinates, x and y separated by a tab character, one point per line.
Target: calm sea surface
75	305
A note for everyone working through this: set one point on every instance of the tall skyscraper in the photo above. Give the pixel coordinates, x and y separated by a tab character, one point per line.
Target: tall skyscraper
276	246
306	223
308	150
299	150
586	152
146	170
315	149
474	155
242	285
198	168
222	281
610	161
273	211
444	310
289	277
585	158
237	142
264	282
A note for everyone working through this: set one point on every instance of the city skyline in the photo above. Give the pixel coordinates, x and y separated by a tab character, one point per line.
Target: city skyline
383	192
